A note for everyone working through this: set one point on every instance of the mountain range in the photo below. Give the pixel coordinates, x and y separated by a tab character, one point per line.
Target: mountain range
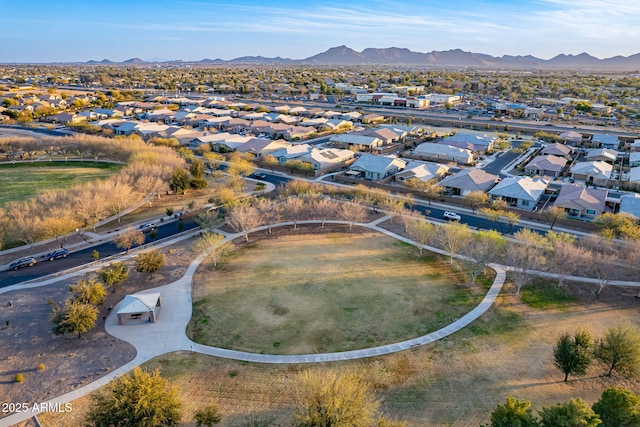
343	55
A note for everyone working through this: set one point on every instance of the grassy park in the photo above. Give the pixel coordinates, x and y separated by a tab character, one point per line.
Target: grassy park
327	292
20	181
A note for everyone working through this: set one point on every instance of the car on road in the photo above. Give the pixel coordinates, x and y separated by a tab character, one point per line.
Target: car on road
147	227
23	262
258	175
451	216
58	253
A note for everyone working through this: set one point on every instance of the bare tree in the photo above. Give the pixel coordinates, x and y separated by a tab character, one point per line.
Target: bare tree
565	257
483	248
129	239
353	211
393	207
243	218
214	246
525	255
324	208
421	231
553	213
292	209
477	199
269	210
452	237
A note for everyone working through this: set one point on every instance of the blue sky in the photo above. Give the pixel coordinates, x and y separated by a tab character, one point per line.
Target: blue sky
72	30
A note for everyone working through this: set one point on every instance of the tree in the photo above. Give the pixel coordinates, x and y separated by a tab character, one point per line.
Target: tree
452	237
196	168
525	255
421	231
618	407
477	199
269	161
573	354
514	413
180	180
214	246
575	413
334	398
75	317
208	219
208	416
140	399
353	211
619	350
89	291
484	247
243	218
213	159
129	239
393	207
150	262
114	274
553	213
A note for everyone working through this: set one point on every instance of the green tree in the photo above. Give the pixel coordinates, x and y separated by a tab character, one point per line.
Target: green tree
139	399
180	180
477	199
618	407
114	274
514	413
89	291
619	350
150	262
334	398
196	168
575	413
573	354
208	416
75	318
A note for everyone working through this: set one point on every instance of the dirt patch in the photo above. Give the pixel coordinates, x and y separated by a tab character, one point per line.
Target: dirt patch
27	341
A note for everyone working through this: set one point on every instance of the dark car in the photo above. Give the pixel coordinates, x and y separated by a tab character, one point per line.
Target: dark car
258	175
58	253
23	262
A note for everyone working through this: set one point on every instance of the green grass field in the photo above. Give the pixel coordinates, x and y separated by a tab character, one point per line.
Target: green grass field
21	181
324	293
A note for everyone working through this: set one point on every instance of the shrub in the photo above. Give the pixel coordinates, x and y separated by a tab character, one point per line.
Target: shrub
19	378
41	367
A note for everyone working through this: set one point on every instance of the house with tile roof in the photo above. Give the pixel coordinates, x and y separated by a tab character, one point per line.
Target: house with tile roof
597	172
474	142
424	171
468	180
560	150
548	165
606	140
521	192
601	154
355	142
376	168
291	152
262	146
327	159
630	203
581	202
571	137
444	153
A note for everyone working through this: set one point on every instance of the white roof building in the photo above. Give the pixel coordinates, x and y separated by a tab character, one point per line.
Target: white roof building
521	192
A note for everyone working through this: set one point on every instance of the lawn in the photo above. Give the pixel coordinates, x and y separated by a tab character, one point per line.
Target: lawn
21	181
328	292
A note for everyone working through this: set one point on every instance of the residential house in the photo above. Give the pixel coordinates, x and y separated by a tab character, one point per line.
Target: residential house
317	122
520	191
262	146
423	171
602	154
597	172
634	159
476	143
327	159
630	203
375	168
373	118
581	202
386	135
635	146
571	137
335	124
468	180
64	118
446	153
291	152
560	150
355	142
605	140
547	165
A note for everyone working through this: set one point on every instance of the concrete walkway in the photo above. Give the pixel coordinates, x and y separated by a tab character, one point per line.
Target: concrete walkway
168	334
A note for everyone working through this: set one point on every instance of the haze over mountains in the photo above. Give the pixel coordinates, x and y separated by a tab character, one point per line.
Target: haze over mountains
343	55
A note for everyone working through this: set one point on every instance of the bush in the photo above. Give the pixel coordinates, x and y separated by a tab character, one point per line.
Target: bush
41	367
19	378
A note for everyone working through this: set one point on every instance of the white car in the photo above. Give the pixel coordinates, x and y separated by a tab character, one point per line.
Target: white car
451	216
149	226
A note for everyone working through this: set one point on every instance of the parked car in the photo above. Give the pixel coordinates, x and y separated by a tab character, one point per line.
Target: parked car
23	262
451	216
58	253
147	227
